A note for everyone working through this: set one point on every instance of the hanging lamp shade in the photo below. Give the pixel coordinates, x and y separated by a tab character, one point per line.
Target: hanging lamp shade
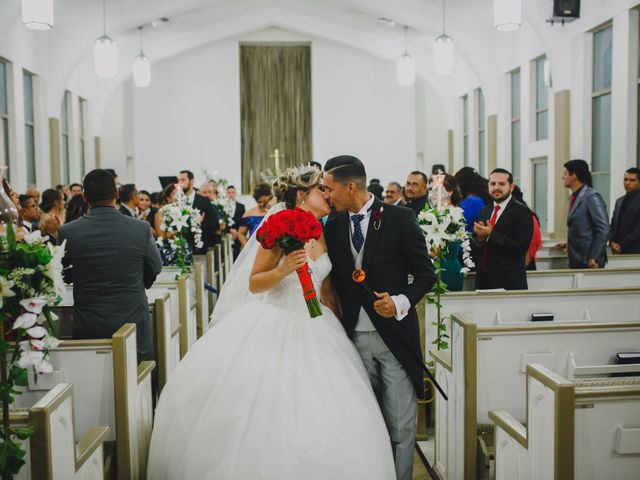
507	14
105	57
142	70
444	55
37	14
406	70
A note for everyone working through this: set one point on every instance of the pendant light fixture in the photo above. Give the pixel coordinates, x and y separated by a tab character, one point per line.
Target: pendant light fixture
37	14
141	67
444	52
105	51
507	15
406	66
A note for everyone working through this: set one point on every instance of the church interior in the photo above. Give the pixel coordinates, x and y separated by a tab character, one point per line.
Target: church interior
542	383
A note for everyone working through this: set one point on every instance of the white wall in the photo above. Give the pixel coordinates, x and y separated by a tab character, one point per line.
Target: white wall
190	115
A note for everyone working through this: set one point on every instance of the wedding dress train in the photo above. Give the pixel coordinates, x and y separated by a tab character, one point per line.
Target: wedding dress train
269	393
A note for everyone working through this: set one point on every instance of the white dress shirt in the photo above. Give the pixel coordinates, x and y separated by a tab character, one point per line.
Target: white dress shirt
402	303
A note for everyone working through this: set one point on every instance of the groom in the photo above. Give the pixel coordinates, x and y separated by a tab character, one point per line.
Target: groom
386	242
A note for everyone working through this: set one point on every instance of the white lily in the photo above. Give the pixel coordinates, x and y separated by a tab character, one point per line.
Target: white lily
33	305
35	237
26	320
5	289
53	269
37	332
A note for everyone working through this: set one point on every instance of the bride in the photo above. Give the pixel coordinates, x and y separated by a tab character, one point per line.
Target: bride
268	392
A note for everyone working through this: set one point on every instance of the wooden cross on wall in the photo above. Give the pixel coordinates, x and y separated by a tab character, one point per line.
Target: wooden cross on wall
277	156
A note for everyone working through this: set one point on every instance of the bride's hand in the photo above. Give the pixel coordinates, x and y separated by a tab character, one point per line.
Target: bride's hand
293	261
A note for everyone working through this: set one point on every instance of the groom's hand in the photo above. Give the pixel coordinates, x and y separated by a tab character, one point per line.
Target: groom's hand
384	306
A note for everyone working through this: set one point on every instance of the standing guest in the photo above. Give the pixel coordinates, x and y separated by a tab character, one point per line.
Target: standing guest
76	207
206	190
111	259
144	206
451	265
376	190
29	213
536	238
393	194
167	196
75	189
213	195
129	200
53	213
438	169
625	223
33	192
64	190
115	176
503	235
416	191
587	219
475	195
235	210
210	225
251	219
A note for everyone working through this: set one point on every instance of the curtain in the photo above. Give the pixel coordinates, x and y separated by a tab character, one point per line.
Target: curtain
275	106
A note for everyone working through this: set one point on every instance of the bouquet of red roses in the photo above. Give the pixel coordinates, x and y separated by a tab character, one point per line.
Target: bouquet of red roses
290	230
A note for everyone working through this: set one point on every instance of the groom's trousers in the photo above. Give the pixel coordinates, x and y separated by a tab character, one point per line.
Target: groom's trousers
396	396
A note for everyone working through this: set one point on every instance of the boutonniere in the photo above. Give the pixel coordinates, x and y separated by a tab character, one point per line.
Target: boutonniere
377	218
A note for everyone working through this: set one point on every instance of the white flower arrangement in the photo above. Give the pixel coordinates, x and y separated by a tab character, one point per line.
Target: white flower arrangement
443	227
180	220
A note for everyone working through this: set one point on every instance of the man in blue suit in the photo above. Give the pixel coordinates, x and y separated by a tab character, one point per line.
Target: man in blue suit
587	219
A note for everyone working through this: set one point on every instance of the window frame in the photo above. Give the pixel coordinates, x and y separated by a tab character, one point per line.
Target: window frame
465	130
5	121
517	174
482	129
539	64
32	177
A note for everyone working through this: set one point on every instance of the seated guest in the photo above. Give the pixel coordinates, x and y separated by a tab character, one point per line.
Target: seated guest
111	259
64	190
393	194
624	235
76	207
416	191
587	220
29	213
251	219
53	212
475	195
129	200
502	235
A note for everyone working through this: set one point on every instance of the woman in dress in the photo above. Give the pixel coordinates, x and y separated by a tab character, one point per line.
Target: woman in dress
167	254
253	217
269	392
451	264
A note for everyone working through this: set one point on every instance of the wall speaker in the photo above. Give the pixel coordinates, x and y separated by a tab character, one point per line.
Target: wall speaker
566	9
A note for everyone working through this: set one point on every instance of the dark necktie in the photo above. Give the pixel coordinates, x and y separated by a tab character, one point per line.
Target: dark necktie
356	236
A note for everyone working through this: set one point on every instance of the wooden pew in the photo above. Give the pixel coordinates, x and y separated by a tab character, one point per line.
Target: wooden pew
614	261
583	430
167	337
227	256
222	274
184	304
482	369
564	279
212	279
52	452
110	388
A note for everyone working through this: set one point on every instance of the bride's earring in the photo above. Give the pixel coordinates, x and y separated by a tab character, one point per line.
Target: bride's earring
302	202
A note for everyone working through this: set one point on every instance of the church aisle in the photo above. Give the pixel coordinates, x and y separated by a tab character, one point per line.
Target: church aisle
419	470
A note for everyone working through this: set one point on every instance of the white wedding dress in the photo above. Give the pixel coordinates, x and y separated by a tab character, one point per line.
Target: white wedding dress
270	393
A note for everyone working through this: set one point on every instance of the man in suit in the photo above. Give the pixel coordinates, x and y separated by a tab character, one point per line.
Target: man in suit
416	191
502	235
110	258
129	200
625	224
387	243
29	213
210	225
393	194
587	219
235	210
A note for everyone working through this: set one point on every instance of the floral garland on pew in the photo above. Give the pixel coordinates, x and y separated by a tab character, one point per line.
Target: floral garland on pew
178	220
444	227
30	283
